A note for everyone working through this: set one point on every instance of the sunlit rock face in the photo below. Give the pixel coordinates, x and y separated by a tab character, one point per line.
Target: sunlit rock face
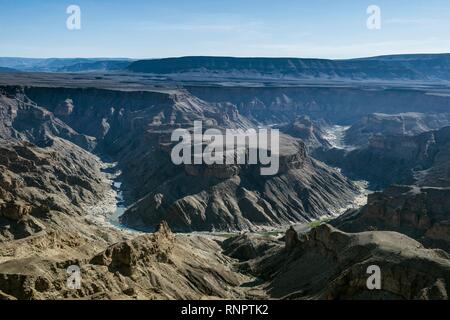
237	197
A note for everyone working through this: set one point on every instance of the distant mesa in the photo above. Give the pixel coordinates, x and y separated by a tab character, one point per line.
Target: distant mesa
416	67
63	65
402	67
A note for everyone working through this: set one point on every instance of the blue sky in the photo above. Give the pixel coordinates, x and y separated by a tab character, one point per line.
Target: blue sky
293	28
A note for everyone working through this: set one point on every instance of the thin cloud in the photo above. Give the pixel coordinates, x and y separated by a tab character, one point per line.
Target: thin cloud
200	27
205	23
353	50
412	22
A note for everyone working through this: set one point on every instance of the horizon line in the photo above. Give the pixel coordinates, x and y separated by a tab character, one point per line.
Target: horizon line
223	56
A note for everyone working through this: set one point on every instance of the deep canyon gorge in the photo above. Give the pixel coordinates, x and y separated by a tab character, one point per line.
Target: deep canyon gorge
86	179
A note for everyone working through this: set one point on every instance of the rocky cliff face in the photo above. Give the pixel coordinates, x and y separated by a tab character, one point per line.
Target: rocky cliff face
422	159
323	264
48	186
22	119
51	186
329	264
339	105
237	197
408	124
134	128
37	183
309	131
107	114
421	213
156	266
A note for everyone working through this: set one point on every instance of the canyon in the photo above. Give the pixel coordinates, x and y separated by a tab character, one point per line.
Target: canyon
76	148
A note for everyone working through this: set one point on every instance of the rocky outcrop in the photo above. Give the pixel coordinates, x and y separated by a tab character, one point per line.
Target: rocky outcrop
156	266
15	210
110	114
330	264
238	197
22	119
248	246
36	183
291	239
323	264
64	109
335	104
421	160
124	257
403	124
420	213
309	131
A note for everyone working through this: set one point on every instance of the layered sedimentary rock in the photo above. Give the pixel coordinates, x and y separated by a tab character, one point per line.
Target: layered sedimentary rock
422	159
237	197
399	67
329	264
36	183
311	132
248	246
134	129
156	266
22	119
402	124
62	65
420	213
343	105
323	264
51	183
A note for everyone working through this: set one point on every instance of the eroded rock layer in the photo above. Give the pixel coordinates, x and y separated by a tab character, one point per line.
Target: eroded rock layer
421	213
